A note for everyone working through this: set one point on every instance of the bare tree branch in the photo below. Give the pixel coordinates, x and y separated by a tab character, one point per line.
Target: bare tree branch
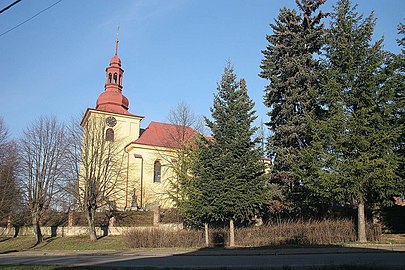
97	168
10	197
42	150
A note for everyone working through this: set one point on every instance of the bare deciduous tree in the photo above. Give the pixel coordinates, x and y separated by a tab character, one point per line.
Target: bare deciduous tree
73	155
180	186
42	151
183	119
10	197
96	163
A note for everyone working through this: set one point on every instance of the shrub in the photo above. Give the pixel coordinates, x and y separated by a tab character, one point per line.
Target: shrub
310	232
160	238
297	233
373	232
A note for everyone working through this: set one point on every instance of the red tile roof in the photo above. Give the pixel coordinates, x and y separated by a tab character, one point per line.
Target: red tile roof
166	135
113	109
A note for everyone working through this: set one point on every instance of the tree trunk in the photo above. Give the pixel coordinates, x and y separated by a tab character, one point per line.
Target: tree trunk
207	241
376	214
231	233
377	231
37	229
92	227
361	223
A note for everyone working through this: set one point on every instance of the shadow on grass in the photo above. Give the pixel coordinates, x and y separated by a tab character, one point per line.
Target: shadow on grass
45	241
5	239
9	251
11	246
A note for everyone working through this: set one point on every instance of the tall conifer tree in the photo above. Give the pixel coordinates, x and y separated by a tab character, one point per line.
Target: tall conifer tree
399	113
292	94
230	185
354	143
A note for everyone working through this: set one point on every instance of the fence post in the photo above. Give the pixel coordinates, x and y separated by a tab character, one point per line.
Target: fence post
156	216
71	218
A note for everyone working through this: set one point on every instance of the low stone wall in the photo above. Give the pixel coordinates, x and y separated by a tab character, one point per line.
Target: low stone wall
49	231
79	230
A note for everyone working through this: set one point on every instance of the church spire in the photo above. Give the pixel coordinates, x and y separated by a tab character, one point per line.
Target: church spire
116	47
111	99
116	42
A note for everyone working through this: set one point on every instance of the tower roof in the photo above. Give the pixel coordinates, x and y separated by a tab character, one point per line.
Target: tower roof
112	99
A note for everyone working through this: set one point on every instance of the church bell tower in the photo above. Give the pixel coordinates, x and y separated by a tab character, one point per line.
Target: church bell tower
112	99
114	124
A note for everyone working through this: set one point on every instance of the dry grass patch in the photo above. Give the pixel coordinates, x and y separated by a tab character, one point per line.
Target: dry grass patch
393	239
160	238
297	233
313	232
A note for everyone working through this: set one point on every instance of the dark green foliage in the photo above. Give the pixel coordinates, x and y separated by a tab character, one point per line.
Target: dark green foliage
293	71
360	95
398	86
393	219
336	119
353	158
180	186
229	180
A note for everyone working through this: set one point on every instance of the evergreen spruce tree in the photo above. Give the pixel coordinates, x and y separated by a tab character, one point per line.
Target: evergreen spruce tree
229	184
399	113
292	95
356	161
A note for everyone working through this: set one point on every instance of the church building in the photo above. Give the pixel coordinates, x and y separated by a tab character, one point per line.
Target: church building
145	155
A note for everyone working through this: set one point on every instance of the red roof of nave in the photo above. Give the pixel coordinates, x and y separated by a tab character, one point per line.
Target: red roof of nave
165	135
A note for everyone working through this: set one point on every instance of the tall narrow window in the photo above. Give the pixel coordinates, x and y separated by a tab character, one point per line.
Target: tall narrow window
109	135
115	77
157	172
109	78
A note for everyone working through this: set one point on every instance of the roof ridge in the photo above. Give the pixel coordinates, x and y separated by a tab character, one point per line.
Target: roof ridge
164	134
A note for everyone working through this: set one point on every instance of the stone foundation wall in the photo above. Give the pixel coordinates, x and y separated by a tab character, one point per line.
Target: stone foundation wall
79	230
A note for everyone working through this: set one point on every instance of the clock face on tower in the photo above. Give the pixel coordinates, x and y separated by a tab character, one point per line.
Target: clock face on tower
111	121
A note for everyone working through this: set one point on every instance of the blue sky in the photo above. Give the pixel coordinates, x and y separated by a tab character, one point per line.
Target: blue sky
171	51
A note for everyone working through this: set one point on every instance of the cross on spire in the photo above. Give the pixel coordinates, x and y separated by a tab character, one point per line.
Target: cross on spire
116	41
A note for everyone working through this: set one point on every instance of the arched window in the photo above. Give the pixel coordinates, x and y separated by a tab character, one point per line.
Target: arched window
109	135
109	78
157	172
115	77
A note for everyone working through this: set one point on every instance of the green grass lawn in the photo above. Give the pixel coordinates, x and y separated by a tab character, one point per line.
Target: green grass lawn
62	243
